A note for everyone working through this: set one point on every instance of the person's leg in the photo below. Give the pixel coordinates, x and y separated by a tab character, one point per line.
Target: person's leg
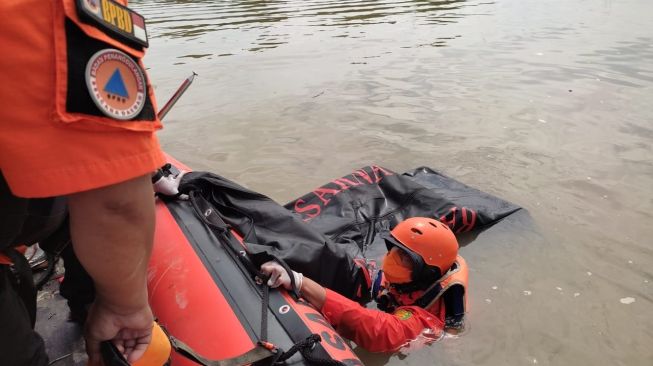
19	343
13	213
77	286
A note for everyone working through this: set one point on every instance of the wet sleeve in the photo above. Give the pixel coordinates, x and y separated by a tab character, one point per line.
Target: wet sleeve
375	330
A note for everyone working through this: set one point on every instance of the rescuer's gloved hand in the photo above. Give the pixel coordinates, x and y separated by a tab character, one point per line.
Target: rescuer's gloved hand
280	277
168	185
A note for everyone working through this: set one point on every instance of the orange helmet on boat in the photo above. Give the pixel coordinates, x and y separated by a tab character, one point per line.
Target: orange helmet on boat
430	244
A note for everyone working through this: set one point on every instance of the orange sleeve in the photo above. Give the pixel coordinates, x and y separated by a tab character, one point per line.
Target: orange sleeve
375	330
40	156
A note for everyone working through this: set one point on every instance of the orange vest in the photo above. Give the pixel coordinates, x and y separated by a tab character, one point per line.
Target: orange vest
458	275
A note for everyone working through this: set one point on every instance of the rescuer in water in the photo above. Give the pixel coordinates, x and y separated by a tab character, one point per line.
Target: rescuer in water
420	290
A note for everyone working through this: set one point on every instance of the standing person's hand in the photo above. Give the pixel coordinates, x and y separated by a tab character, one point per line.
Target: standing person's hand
112	231
130	331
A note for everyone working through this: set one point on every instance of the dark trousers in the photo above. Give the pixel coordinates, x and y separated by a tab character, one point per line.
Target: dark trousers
26	221
77	286
20	345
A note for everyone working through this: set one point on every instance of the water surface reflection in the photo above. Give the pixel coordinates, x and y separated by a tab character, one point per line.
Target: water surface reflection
546	104
192	19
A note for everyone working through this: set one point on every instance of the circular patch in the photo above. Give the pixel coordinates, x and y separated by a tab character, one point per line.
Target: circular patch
116	84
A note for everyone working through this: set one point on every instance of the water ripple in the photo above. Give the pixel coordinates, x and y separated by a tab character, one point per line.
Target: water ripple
193	19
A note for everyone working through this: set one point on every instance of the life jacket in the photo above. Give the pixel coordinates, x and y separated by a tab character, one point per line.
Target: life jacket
451	288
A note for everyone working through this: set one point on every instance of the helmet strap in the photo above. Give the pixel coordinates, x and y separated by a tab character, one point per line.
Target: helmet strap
433	291
429	295
429	284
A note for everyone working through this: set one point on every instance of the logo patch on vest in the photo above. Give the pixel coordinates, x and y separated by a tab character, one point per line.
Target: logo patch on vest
403	314
114	18
116	84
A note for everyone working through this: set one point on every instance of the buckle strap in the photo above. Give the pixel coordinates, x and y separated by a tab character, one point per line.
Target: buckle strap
258	353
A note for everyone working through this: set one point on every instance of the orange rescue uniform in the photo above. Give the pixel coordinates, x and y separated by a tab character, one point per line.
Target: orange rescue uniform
45	149
378	331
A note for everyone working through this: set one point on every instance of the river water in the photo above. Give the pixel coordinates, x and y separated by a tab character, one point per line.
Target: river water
547	104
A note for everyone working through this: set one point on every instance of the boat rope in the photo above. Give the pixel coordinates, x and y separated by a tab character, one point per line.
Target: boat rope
210	217
303	347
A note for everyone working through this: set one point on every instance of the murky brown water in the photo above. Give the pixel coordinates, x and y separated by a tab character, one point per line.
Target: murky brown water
548	104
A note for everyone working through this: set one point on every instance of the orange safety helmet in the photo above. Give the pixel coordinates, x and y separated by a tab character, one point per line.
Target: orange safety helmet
430	244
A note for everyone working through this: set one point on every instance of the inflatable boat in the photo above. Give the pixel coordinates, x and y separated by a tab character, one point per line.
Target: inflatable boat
204	295
212	236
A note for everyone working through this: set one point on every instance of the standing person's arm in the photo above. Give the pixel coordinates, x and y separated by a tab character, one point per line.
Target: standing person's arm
112	231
